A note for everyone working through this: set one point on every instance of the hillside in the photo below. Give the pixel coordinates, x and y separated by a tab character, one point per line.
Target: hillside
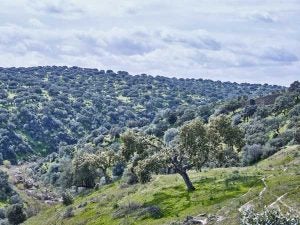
82	146
220	194
42	108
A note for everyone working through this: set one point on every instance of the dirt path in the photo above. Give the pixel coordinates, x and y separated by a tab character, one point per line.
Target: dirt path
265	187
280	200
247	205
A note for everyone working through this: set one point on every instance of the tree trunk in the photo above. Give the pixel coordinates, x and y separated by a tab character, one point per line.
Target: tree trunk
188	183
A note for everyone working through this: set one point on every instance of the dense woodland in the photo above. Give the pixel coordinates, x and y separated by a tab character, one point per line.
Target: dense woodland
84	128
42	108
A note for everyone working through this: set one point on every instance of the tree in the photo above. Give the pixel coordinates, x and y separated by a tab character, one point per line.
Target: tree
139	150
192	149
295	87
251	154
5	188
105	160
283	103
297	135
195	144
230	135
67	198
85	169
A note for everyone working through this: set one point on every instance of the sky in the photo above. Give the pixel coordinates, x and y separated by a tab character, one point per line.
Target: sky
256	41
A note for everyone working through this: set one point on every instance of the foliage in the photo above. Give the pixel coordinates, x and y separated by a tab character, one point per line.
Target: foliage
67	198
5	188
252	154
44	107
272	216
16	214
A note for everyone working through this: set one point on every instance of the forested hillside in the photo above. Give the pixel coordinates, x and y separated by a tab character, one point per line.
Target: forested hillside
82	146
42	108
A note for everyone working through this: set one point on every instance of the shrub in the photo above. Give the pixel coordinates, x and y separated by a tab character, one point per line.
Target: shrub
67	198
7	164
68	213
271	216
268	150
15	199
297	136
118	169
251	154
2	213
16	214
170	135
130	178
131	207
151	212
4	222
5	188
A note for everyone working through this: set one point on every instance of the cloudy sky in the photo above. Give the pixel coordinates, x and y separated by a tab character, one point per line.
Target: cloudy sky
254	41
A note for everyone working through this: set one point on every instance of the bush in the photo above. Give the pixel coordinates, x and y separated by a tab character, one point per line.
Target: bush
271	216
268	150
67	198
16	214
7	164
125	210
68	213
130	178
15	199
297	136
151	212
4	222
170	135
118	169
5	188
252	154
2	213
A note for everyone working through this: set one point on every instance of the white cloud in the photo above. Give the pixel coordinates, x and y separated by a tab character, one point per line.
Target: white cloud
35	23
253	41
263	16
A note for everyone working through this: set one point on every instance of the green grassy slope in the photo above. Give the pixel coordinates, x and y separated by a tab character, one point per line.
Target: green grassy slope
220	194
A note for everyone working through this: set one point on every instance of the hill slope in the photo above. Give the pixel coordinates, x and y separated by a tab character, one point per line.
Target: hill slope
43	107
220	195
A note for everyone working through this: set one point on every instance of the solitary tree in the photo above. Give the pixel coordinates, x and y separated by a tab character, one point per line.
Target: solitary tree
192	149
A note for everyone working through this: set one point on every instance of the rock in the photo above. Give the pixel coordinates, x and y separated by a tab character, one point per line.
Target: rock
82	205
36	185
28	183
18	179
94	200
81	189
199	220
50	202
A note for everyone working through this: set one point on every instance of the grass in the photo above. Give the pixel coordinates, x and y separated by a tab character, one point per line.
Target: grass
219	192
